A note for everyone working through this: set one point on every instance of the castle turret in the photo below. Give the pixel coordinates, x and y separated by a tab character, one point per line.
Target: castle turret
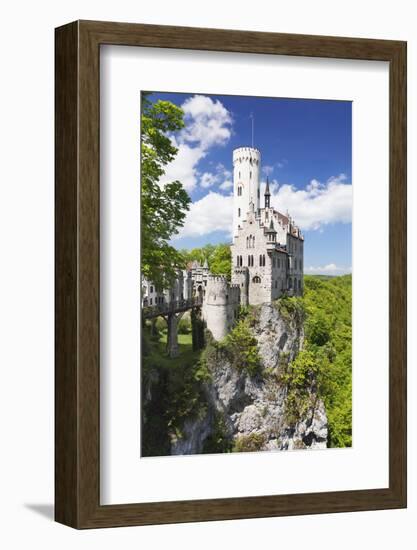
246	170
221	305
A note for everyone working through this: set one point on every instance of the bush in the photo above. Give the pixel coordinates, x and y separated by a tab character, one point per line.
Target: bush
242	348
184	326
160	324
249	443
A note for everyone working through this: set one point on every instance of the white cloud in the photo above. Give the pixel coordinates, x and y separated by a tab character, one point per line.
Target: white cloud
329	269
184	167
267	169
207	124
316	206
227	184
211	213
221	178
208	179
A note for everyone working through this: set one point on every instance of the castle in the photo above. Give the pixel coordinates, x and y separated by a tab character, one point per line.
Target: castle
267	255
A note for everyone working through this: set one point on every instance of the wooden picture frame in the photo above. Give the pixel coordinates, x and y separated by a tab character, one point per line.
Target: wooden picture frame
77	382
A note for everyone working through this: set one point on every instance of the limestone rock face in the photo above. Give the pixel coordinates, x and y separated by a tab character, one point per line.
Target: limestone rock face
252	408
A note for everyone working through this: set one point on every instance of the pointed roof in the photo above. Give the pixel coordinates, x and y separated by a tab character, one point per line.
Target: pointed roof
271	228
205	266
267	187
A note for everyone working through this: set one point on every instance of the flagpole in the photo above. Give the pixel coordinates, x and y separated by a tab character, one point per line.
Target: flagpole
253	122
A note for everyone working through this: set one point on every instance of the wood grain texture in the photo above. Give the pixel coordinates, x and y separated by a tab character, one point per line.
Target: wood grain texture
78	285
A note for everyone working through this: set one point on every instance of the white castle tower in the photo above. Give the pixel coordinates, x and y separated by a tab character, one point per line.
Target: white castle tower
246	187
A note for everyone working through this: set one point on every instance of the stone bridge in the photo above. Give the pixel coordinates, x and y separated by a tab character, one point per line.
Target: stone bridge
172	313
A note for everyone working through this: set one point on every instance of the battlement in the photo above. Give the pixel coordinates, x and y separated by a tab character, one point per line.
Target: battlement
242	154
217	278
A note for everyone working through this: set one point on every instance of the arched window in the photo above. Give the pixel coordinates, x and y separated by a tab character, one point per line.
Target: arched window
247	242
253	242
256	280
260	260
238	212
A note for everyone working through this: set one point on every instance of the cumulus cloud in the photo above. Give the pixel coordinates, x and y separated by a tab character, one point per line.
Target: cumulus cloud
220	178
329	269
211	213
207	124
316	206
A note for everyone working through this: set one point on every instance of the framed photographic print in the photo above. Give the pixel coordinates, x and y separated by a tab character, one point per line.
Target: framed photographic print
230	274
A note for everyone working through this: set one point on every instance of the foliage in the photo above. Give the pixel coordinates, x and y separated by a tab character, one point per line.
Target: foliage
249	443
242	348
218	440
292	308
184	326
219	258
172	391
324	368
163	207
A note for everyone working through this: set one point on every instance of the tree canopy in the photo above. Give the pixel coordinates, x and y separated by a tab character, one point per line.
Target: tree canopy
163	207
218	256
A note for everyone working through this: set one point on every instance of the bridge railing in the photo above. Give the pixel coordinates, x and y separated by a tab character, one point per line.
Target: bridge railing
171	307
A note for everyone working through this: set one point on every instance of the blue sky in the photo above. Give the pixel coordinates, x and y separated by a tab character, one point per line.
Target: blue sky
306	150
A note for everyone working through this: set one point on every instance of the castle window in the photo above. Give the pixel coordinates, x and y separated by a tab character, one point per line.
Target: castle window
256	280
150	301
253	242
301	264
279	263
151	289
238	212
250	175
259	193
239	175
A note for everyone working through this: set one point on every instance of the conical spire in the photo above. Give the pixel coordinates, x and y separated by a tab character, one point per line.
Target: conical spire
271	228
267	194
205	266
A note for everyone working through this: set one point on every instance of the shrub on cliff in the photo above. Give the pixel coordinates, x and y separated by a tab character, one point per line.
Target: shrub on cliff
242	348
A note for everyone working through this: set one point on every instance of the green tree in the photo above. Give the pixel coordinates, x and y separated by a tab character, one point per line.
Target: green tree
163	207
221	260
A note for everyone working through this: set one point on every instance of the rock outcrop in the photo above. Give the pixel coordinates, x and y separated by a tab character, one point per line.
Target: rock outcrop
252	407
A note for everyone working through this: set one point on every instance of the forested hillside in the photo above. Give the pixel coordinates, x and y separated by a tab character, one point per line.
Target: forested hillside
327	303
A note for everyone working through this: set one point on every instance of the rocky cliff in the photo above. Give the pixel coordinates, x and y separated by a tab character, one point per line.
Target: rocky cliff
247	409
